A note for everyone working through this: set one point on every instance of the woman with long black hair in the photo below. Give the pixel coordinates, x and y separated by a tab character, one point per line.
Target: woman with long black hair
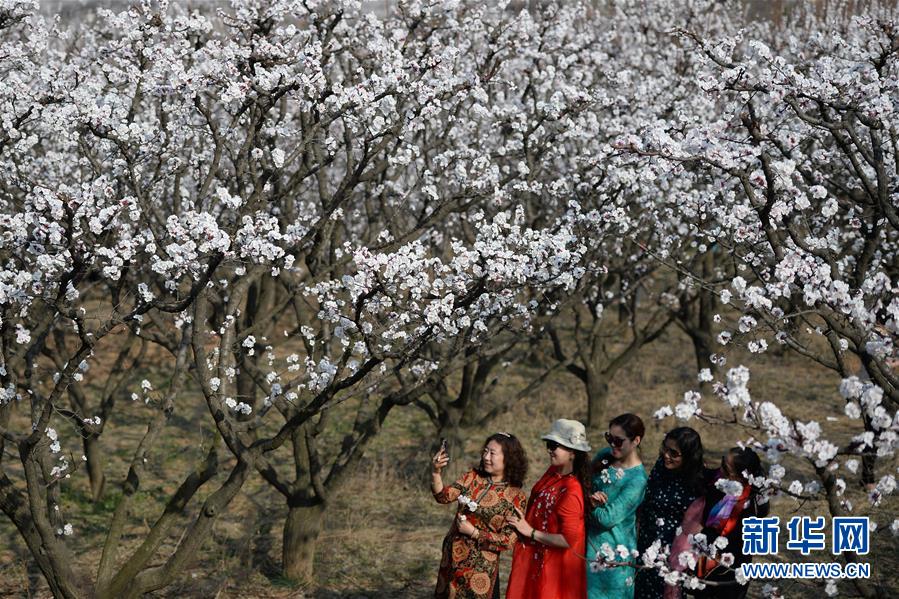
676	480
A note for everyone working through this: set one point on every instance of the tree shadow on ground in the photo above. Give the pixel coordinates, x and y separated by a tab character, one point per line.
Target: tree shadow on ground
26	569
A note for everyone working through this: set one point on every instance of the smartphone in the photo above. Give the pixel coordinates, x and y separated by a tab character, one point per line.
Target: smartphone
443	447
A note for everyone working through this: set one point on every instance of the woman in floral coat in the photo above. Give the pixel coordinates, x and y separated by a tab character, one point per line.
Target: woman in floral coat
487	496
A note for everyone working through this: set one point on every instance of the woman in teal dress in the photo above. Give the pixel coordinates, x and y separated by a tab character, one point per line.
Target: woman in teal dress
619	481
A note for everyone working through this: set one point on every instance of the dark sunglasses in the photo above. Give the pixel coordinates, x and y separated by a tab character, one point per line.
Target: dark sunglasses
552	445
671	453
614	441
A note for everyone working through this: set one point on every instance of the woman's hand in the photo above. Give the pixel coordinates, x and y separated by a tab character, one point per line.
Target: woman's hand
598	498
465	527
439	462
521	525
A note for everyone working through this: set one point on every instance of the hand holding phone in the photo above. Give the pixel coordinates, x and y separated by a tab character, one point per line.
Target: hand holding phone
441	459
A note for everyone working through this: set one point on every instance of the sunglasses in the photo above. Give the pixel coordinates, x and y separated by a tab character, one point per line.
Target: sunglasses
671	453
552	445
614	441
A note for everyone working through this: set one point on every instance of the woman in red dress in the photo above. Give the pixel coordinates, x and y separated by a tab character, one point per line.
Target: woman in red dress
487	496
548	562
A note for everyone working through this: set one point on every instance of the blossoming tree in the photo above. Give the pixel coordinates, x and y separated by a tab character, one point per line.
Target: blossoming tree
287	209
255	196
794	160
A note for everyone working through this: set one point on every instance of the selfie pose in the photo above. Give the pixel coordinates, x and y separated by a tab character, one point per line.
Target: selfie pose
676	480
618	484
548	561
487	495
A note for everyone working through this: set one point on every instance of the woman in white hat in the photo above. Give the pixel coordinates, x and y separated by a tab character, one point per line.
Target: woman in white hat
547	563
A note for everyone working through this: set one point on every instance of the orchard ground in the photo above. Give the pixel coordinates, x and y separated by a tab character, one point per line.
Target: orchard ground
382	533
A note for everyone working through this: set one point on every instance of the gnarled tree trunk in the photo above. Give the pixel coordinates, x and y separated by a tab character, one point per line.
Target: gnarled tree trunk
597	386
301	530
94	454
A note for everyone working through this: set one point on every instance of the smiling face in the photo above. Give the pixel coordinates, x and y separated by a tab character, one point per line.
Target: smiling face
671	454
493	460
621	445
559	455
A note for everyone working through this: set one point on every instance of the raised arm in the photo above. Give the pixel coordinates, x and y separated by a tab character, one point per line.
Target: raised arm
448	494
438	463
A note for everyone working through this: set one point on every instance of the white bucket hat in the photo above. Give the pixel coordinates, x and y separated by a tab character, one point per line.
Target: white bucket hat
570	433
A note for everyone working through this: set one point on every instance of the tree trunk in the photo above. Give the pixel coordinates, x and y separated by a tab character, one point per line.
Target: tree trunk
702	348
64	580
597	394
94	454
835	505
701	330
301	529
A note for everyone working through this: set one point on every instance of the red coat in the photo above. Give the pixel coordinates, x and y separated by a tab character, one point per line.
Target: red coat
556	506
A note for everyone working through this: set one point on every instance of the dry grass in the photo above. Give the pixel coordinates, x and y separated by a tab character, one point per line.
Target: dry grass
382	533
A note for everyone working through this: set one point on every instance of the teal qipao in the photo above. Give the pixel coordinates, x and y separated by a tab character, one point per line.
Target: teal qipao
615	524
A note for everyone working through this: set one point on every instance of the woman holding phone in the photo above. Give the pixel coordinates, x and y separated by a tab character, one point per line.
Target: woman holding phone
548	561
488	495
